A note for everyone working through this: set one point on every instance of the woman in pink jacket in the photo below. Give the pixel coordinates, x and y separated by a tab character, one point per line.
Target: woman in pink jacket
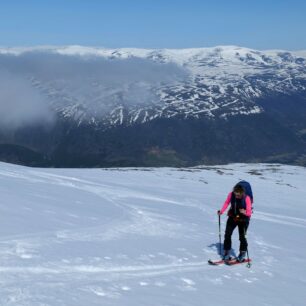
239	215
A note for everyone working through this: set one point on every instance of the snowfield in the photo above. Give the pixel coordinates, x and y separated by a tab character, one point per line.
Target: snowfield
142	237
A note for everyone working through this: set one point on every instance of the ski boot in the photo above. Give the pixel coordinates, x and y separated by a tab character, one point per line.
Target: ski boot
226	256
241	256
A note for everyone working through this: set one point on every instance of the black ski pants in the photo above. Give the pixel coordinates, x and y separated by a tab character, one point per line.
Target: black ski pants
242	228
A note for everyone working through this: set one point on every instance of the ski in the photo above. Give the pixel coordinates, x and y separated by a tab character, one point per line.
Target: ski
221	261
236	262
230	262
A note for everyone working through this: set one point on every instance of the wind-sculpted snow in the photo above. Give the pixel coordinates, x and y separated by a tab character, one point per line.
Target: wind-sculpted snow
143	236
109	87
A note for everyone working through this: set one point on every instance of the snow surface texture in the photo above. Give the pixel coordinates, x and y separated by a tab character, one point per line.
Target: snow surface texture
143	237
113	87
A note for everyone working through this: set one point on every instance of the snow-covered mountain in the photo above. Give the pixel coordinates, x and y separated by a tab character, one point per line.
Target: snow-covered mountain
94	107
138	237
218	82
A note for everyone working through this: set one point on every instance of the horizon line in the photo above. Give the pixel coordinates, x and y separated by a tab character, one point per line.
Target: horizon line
46	47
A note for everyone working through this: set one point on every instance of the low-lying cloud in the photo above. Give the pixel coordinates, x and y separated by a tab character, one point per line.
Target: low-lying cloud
31	84
20	104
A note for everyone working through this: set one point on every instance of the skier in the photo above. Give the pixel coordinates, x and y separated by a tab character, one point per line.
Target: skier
239	215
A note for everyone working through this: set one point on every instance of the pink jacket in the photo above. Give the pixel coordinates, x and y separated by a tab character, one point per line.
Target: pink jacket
247	202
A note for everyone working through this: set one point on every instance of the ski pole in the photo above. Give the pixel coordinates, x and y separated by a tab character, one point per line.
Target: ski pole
247	250
220	232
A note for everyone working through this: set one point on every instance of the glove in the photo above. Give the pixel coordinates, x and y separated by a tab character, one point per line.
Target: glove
242	211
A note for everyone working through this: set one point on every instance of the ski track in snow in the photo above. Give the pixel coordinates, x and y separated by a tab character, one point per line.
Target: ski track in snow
280	219
137	237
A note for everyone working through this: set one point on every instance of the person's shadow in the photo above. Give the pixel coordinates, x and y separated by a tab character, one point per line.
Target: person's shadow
218	247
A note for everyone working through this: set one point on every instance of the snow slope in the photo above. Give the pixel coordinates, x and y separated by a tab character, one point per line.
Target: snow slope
143	237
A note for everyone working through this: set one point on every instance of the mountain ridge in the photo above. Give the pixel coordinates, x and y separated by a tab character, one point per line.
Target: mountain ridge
221	81
117	91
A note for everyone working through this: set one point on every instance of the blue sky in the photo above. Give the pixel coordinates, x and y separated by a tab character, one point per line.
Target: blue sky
257	24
